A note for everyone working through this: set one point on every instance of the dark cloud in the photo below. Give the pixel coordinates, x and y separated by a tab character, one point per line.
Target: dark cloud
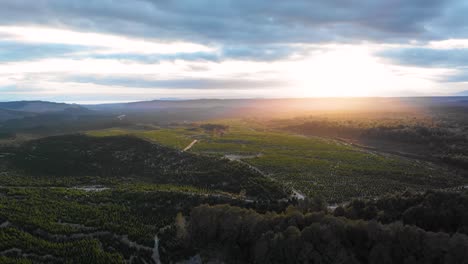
427	57
246	21
182	83
243	29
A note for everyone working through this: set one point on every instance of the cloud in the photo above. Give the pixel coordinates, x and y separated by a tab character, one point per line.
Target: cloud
259	52
185	83
440	57
427	57
461	77
245	21
239	52
207	48
42	42
108	43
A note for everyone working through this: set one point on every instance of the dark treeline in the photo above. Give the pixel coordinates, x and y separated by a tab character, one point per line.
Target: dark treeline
445	139
420	133
432	211
245	236
213	127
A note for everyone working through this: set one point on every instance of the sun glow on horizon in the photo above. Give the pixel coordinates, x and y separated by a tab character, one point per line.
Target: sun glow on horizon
353	71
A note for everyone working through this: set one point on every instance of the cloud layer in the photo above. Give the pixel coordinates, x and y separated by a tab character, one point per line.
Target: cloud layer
246	21
67	50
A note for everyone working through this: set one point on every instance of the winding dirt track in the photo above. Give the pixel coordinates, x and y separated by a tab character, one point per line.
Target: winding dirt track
190	145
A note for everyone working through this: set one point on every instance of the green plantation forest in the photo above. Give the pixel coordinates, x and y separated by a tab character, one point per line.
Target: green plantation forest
235	182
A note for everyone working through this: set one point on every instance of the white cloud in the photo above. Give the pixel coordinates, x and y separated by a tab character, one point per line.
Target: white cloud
449	44
106	42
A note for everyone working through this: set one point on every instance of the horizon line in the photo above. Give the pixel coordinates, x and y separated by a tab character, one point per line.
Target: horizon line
92	102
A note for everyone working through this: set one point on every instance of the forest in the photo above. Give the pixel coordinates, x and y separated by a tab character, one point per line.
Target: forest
350	235
92	185
436	134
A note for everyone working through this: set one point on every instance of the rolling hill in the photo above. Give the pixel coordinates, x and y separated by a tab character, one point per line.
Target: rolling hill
126	157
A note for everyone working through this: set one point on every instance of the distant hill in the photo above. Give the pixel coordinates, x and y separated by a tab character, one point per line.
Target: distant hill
162	104
37	106
130	157
282	105
69	120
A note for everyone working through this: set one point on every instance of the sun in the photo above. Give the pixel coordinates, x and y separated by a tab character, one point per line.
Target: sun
347	71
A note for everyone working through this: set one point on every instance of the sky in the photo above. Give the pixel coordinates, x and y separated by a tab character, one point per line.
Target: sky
130	50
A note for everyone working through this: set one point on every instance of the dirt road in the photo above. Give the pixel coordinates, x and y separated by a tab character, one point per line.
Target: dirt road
190	145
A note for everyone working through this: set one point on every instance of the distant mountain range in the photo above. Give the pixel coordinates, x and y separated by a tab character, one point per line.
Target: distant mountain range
35	113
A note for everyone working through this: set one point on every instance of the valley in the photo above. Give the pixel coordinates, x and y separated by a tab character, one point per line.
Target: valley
130	189
313	165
